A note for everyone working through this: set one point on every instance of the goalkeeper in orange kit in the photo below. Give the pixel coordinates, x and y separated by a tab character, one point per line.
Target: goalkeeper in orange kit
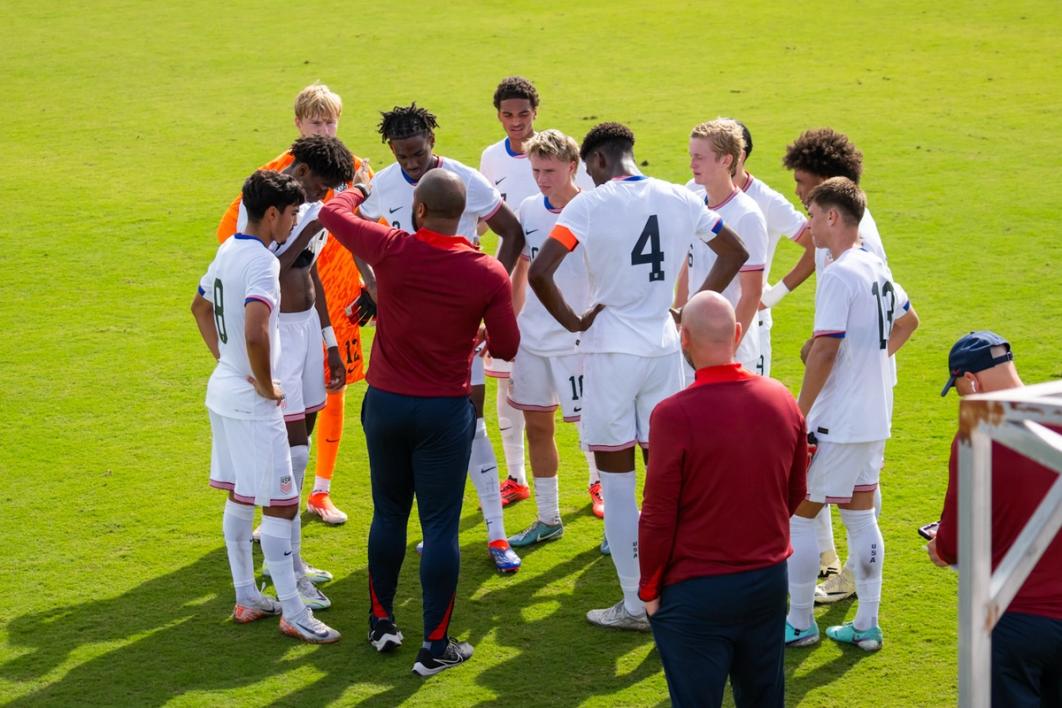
317	112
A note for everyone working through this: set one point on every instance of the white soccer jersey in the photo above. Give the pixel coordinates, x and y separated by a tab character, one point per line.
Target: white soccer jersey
781	217
540	333
510	173
635	233
868	234
392	197
857	301
242	271
307	213
743	217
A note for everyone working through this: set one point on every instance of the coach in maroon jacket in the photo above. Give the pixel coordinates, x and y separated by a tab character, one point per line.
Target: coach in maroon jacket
1027	639
435	288
727	468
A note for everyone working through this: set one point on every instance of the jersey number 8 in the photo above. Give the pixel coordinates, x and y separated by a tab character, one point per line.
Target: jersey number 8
219	311
650	237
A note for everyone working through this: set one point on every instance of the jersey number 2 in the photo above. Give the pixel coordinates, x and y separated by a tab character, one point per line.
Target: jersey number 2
219	311
650	237
886	296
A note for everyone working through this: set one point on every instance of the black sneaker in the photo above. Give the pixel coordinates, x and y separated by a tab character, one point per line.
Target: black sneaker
385	636
455	653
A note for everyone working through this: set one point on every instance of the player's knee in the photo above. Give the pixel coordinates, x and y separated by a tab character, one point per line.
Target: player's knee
288	512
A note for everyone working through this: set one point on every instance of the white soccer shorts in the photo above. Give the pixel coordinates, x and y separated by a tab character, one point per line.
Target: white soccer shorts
542	383
840	469
251	459
498	368
478	378
301	368
621	391
765	324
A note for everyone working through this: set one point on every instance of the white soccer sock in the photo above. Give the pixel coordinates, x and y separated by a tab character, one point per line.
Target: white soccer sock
322	484
276	547
547	500
483	469
824	530
591	464
300	458
621	530
511	427
866	551
803	568
236	524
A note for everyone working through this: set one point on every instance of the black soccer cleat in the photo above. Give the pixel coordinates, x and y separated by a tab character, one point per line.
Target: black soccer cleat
385	636
455	653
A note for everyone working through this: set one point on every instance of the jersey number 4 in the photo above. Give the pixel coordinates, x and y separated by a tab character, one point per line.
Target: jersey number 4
886	296
219	311
647	250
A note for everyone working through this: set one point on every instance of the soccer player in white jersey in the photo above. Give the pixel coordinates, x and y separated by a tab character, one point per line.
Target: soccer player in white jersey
320	163
862	318
506	165
715	148
782	220
814	157
410	133
237	312
633	233
548	369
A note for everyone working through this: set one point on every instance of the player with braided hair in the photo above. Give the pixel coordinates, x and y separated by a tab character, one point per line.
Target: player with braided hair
410	133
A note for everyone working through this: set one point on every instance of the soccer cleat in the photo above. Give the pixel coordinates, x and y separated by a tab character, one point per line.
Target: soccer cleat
605	550
256	535
618	617
504	557
597	502
320	503
316	575
801	637
264	606
385	636
311	596
454	654
835	588
867	639
829	564
512	491
309	629
537	533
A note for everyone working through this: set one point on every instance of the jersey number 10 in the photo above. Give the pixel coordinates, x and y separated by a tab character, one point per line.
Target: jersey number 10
650	237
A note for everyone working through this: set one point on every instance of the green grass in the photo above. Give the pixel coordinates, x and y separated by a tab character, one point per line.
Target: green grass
128	127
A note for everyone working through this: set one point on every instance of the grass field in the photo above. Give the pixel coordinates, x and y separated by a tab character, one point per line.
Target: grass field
128	127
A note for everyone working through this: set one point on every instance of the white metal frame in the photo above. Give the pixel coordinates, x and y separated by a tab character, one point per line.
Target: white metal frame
1015	418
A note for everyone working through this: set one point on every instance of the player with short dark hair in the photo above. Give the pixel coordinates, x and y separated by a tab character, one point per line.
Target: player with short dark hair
410	133
634	232
237	311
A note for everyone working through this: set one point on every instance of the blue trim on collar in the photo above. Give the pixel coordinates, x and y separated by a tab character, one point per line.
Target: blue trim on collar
245	237
549	207
410	180
509	149
631	178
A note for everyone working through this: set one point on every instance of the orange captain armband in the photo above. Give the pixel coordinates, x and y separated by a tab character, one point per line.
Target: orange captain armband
566	237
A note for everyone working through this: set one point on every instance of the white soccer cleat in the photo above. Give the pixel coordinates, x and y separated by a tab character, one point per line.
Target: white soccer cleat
321	503
309	629
835	588
617	617
311	596
264	606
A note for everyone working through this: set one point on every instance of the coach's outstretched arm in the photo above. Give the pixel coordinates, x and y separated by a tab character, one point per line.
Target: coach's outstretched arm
367	240
541	279
730	256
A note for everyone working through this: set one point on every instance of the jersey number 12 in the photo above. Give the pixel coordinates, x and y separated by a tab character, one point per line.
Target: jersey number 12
650	237
886	297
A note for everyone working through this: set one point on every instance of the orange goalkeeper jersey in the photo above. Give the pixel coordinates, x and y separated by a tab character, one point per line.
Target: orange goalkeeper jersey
338	273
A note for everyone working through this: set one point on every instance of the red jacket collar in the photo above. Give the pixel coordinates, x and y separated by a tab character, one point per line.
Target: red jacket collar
721	374
455	242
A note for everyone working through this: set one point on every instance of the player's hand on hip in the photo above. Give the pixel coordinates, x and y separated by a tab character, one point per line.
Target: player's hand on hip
337	371
651	607
271	391
588	318
806	349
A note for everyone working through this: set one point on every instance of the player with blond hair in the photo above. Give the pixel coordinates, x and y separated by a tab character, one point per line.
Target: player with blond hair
548	370
317	112
715	148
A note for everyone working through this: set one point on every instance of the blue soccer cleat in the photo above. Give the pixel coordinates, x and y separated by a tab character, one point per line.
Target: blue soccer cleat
867	639
504	557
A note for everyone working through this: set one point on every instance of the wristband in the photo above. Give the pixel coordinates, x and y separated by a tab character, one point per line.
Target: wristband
329	336
774	294
363	189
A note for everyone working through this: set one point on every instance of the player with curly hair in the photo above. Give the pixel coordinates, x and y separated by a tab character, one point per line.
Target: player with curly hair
410	133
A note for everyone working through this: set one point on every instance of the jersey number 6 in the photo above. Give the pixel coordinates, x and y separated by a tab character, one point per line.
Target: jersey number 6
650	237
